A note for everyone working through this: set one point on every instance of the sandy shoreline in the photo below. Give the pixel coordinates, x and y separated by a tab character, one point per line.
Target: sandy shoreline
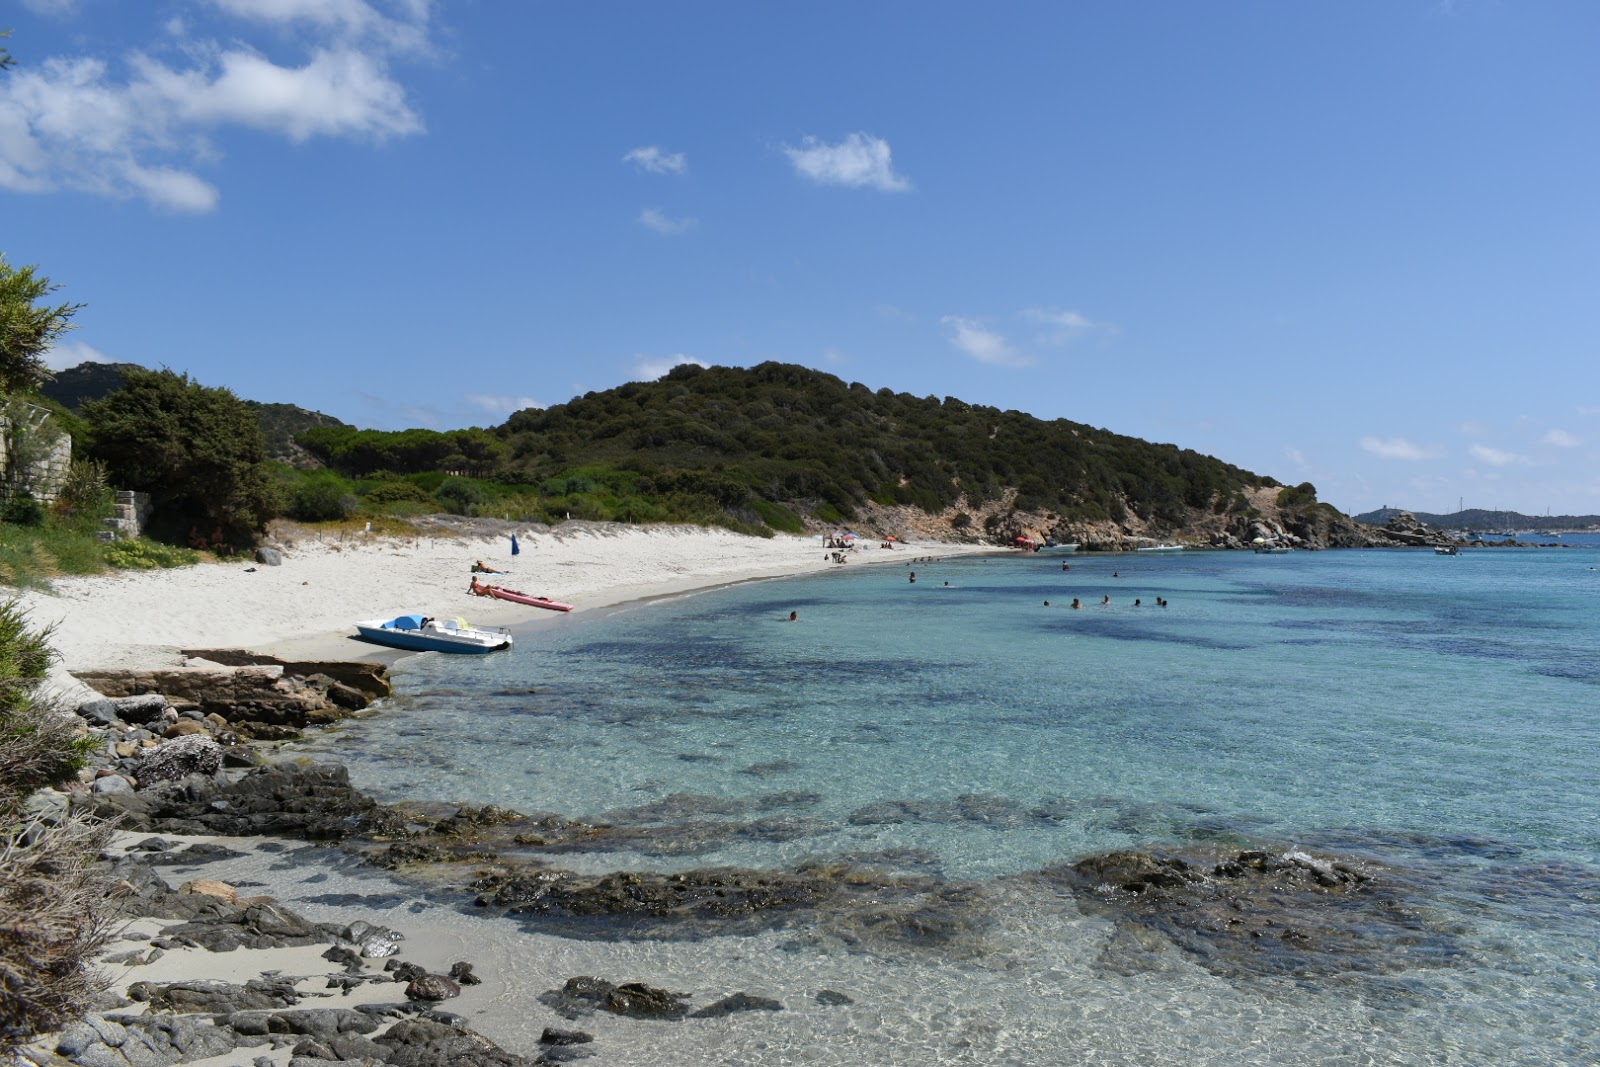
304	608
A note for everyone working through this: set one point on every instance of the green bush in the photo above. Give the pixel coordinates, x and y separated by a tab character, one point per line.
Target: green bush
397	492
777	516
460	496
142	555
321	496
23	510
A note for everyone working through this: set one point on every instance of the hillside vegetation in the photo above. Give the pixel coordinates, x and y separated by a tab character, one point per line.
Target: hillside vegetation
782	446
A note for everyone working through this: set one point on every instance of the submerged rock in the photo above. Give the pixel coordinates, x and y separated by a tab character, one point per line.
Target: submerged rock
1259	912
583	995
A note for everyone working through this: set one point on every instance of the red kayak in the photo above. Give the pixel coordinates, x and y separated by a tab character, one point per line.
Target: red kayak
501	593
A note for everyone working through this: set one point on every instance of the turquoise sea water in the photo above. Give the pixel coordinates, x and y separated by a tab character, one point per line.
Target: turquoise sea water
1440	715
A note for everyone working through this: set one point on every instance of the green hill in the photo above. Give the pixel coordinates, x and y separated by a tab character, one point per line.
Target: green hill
281	423
802	437
778	445
1483	519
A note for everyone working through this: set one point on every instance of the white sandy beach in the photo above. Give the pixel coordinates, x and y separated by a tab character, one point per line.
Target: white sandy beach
304	608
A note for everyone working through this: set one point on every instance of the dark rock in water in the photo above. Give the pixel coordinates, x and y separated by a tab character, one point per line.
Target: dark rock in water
405	972
635	1000
736	1003
556	1036
767	770
461	971
216	998
469	821
829	998
639	1001
970	808
723	893
408	853
311	801
424	1043
1260	912
432	987
373	942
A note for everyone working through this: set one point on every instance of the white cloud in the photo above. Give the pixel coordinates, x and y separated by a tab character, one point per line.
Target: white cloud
648	369
982	344
1496	457
657	160
496	404
659	221
860	160
834	356
349	19
1400	448
73	122
1063	327
64	354
1297	457
1562	439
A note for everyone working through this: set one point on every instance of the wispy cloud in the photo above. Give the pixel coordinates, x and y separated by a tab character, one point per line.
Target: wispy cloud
1400	448
138	127
659	221
657	160
1496	457
1297	457
496	404
64	354
859	161
649	368
983	344
1059	328
1562	439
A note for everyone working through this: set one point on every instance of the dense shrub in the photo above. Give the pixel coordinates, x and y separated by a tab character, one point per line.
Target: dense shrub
321	496
396	492
23	510
459	496
53	914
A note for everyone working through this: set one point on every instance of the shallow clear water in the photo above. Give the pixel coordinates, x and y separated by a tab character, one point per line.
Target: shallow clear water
1439	714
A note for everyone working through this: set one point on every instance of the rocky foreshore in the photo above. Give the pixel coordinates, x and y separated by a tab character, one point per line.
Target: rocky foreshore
168	767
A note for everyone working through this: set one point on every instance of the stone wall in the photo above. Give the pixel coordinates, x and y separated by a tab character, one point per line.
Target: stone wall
48	474
133	511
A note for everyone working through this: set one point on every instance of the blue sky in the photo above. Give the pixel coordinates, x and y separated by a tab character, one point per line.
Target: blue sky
1356	243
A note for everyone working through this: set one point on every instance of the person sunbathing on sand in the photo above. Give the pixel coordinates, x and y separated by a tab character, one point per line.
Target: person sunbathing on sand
481	567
